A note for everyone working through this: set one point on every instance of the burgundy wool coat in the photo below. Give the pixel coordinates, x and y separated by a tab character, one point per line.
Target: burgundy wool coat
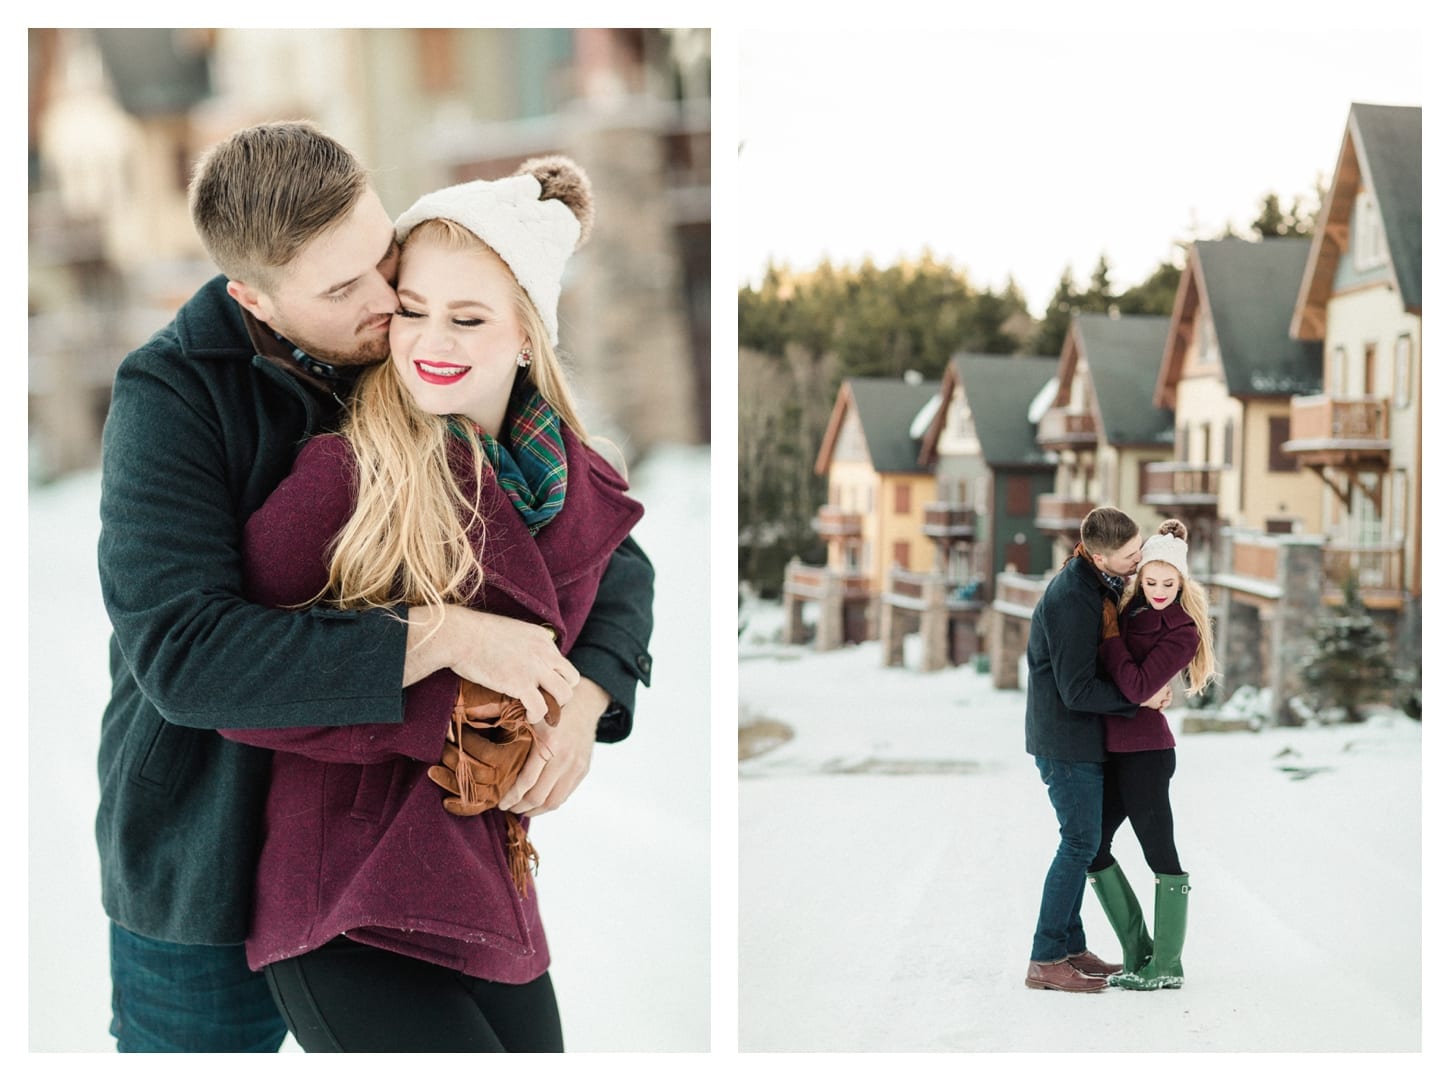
355	837
1151	648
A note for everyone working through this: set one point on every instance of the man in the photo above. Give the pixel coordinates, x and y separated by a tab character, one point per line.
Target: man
1066	695
206	418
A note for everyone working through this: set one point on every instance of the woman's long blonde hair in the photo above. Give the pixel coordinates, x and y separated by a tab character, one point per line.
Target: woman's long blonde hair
1200	672
407	541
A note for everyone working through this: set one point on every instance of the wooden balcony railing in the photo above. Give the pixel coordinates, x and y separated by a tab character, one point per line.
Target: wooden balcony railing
1254	557
1059	513
1018	593
1378	568
956	521
802	580
1063	429
836	522
1181	484
1326	430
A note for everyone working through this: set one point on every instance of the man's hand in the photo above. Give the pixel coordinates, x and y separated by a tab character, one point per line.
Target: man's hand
1162	700
514	657
561	755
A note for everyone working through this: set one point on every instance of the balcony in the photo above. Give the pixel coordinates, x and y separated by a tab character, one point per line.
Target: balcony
1379	570
950	521
813	583
1181	484
1061	514
836	522
1018	594
1347	433
1064	429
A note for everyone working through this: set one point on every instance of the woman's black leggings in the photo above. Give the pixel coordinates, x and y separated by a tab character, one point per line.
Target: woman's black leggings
1135	787
345	996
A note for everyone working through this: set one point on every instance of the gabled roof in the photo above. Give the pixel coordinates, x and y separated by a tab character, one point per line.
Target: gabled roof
886	408
999	391
1248	290
1381	149
1124	354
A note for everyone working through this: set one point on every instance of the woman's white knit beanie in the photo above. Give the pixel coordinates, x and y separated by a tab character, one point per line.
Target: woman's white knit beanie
1169	545
534	220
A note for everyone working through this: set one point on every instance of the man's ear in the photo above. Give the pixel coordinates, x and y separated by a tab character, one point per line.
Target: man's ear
252	299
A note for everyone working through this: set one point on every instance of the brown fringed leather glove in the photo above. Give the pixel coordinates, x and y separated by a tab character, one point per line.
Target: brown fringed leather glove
489	739
1110	618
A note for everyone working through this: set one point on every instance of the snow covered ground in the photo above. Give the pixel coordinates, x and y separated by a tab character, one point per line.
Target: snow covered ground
624	877
892	855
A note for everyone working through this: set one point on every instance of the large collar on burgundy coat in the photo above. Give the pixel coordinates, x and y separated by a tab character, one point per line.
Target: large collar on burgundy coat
1145	619
535	570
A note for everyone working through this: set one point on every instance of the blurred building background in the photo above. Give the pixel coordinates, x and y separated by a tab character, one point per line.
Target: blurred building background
117	117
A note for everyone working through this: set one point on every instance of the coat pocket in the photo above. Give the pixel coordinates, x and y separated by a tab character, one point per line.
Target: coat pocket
375	787
166	752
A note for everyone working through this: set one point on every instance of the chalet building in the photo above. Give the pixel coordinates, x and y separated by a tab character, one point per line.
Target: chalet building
1229	372
1362	436
1096	417
878	493
990	470
1102	423
984	451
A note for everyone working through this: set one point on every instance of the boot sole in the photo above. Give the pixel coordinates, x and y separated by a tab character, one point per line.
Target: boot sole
1037	985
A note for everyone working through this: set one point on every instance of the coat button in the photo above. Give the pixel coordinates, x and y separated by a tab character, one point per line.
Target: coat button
643	662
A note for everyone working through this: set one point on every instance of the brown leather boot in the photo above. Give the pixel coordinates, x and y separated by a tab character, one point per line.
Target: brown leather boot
1090	964
1060	976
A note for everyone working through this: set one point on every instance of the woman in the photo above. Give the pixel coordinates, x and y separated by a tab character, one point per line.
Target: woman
394	907
1165	630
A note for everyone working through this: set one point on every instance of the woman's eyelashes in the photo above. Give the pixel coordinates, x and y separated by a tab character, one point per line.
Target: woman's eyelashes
460	321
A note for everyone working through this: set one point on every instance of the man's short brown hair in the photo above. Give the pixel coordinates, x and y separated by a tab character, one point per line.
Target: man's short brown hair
1106	529
261	194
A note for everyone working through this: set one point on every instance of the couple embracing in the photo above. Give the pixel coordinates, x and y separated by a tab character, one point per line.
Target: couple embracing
1113	628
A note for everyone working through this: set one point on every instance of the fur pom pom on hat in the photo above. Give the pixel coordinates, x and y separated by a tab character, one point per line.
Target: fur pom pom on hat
1169	545
534	220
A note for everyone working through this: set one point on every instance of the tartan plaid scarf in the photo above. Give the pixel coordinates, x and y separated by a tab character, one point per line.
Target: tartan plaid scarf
530	464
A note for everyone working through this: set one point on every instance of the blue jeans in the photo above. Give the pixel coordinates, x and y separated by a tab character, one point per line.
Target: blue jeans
170	997
1076	791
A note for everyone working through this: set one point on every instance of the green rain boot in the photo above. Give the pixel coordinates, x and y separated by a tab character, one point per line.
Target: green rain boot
1124	915
1170	921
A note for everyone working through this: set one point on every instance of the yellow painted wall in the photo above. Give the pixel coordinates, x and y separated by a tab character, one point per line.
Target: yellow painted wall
1275	495
1376	314
885	527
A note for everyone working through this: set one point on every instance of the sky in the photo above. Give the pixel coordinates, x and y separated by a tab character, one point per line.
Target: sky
1023	152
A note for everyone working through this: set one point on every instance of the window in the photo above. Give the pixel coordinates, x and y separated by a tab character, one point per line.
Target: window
1019	497
1207	456
1338	373
901	554
1180	444
1403	375
1228	442
1370	249
1280	462
1369	372
902	494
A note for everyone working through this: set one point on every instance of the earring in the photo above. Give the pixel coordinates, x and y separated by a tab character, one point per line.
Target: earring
525	357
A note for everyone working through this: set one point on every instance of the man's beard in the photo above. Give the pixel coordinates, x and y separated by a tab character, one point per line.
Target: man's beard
362	352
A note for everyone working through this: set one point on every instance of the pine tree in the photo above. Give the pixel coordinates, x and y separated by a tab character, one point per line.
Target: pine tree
1352	662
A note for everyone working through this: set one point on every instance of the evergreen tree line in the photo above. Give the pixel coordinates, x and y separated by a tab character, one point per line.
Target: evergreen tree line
802	333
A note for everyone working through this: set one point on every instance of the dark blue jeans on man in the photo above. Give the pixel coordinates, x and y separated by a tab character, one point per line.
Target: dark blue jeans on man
166	996
1076	792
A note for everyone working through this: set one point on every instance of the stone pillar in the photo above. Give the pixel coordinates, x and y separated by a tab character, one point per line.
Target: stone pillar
893	634
935	629
831	633
1301	585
